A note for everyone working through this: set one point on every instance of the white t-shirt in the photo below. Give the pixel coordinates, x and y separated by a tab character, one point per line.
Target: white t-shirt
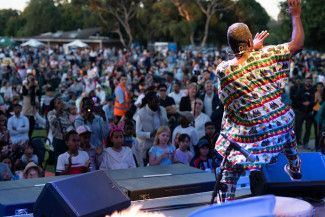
189	131
177	97
200	124
77	161
117	160
208	104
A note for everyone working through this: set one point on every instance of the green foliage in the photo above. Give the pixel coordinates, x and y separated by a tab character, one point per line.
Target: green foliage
76	16
5	16
313	16
41	16
253	14
180	21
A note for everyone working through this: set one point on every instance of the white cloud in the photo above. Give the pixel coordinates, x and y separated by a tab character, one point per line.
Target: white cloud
14	4
271	7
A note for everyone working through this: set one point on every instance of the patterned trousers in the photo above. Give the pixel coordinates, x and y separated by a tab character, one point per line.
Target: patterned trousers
231	173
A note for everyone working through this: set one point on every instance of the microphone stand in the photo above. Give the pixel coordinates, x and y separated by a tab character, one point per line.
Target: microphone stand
219	186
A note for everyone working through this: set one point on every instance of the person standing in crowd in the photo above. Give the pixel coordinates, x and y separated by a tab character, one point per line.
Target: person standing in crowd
5	141
74	161
166	101
99	128
140	94
185	127
116	155
186	101
250	87
6	90
202	159
303	102
177	94
95	155
30	92
212	104
318	100
148	119
210	133
18	127
169	104
122	99
162	152
169	82
100	93
108	108
58	119
200	118
130	140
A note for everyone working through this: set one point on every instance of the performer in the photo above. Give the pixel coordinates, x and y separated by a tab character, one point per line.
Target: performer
250	87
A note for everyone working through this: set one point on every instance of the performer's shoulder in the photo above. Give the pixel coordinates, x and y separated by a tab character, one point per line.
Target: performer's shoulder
276	49
221	68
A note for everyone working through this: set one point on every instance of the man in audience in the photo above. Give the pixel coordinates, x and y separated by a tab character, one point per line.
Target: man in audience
18	126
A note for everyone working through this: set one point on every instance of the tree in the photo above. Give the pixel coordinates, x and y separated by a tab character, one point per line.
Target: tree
75	15
188	10
313	16
41	16
253	14
209	9
122	11
5	16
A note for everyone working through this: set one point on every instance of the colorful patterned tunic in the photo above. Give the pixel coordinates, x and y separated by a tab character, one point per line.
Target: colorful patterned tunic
255	116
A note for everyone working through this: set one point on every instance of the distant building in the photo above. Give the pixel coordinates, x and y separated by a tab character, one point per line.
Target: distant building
91	36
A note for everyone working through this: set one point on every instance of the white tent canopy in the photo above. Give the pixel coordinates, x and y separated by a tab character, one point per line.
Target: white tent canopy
33	43
77	44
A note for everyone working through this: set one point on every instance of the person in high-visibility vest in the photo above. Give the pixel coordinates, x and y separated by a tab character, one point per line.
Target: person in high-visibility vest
122	99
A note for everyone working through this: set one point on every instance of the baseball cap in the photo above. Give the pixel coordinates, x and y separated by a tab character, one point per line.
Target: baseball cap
83	129
203	142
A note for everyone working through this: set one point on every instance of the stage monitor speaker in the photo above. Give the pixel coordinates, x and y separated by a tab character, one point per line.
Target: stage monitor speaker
274	180
89	194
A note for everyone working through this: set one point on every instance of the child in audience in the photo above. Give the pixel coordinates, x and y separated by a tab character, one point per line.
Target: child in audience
29	156
162	153
202	159
32	171
182	154
74	161
94	154
130	140
117	156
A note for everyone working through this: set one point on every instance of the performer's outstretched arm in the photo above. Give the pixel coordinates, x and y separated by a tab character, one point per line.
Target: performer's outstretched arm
298	36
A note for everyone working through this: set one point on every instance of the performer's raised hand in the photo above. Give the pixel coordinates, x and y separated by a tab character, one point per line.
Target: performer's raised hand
298	36
294	7
259	39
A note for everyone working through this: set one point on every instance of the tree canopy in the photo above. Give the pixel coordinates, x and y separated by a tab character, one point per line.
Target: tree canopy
196	22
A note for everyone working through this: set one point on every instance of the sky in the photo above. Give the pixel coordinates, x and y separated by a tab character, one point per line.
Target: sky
271	6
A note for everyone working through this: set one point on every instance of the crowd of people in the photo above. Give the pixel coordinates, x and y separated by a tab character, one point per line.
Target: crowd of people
119	109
